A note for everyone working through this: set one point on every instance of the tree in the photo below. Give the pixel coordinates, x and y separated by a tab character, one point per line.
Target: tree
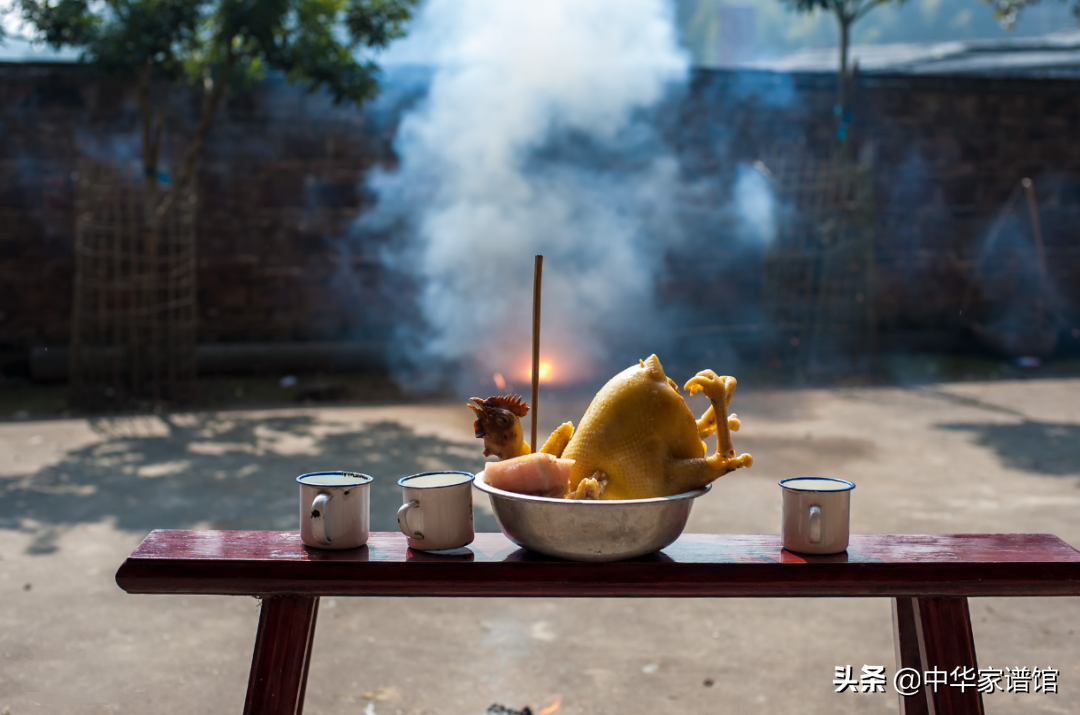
847	13
207	45
210	44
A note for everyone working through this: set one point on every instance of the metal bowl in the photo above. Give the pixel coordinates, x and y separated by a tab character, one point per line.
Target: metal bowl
605	530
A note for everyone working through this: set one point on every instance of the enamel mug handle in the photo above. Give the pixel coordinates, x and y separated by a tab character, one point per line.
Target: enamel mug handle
815	525
403	520
320	518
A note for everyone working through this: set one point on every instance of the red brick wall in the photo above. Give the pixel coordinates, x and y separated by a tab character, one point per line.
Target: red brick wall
947	153
283	171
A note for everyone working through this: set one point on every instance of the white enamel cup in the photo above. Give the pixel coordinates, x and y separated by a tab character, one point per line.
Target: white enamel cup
439	507
334	509
816	514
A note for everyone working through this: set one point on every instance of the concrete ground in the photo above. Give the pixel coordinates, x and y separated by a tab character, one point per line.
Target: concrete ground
77	495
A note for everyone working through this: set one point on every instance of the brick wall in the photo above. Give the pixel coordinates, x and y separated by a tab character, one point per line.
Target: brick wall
282	177
947	153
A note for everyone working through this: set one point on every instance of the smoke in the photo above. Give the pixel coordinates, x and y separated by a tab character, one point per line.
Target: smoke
1022	311
534	139
755	204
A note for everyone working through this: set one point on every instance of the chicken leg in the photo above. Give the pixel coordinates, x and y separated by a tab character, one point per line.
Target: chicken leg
689	474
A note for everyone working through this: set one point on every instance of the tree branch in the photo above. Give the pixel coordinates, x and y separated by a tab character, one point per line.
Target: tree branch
159	126
191	158
144	116
867	8
149	153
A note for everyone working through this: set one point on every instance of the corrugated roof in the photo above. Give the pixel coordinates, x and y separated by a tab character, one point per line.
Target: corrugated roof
1053	55
16	49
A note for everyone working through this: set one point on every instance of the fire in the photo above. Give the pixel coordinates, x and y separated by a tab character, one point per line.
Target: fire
558	700
545	371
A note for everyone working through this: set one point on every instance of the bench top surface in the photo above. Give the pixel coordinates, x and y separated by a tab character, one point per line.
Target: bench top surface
276	562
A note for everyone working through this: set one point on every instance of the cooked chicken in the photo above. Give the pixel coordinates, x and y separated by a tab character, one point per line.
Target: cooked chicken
639	439
558	440
498	421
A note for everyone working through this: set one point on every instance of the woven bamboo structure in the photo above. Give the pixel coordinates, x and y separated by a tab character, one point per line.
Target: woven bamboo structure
134	312
818	272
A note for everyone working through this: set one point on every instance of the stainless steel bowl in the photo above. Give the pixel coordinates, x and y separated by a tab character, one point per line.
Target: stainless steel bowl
590	530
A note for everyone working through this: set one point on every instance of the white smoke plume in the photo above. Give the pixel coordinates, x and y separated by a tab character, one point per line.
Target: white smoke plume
488	178
755	204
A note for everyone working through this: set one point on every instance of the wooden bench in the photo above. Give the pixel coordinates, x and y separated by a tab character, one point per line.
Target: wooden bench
928	577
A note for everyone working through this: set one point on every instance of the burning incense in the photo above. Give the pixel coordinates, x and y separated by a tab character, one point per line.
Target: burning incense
538	269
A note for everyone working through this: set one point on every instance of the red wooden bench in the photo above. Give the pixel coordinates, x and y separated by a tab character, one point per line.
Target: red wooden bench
929	578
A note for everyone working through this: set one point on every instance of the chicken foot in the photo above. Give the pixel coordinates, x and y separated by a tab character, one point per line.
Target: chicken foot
590	487
719	390
707	424
694	473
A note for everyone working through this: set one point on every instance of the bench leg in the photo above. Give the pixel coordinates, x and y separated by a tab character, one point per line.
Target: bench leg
936	633
279	666
906	641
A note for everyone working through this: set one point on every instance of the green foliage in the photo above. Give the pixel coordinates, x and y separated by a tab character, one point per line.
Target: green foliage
211	44
314	42
846	11
67	22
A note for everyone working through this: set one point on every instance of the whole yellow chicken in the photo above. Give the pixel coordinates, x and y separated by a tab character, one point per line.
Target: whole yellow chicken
638	439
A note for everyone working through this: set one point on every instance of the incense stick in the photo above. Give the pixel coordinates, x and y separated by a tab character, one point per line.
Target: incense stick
538	270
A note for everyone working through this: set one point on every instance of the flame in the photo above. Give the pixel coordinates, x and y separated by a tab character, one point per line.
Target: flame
558	700
545	371
500	381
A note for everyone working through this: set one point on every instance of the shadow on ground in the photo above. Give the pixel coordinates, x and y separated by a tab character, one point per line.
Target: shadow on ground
1041	447
220	471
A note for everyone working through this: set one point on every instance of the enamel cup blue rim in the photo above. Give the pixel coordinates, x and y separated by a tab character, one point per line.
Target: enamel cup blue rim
470	477
850	485
361	479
